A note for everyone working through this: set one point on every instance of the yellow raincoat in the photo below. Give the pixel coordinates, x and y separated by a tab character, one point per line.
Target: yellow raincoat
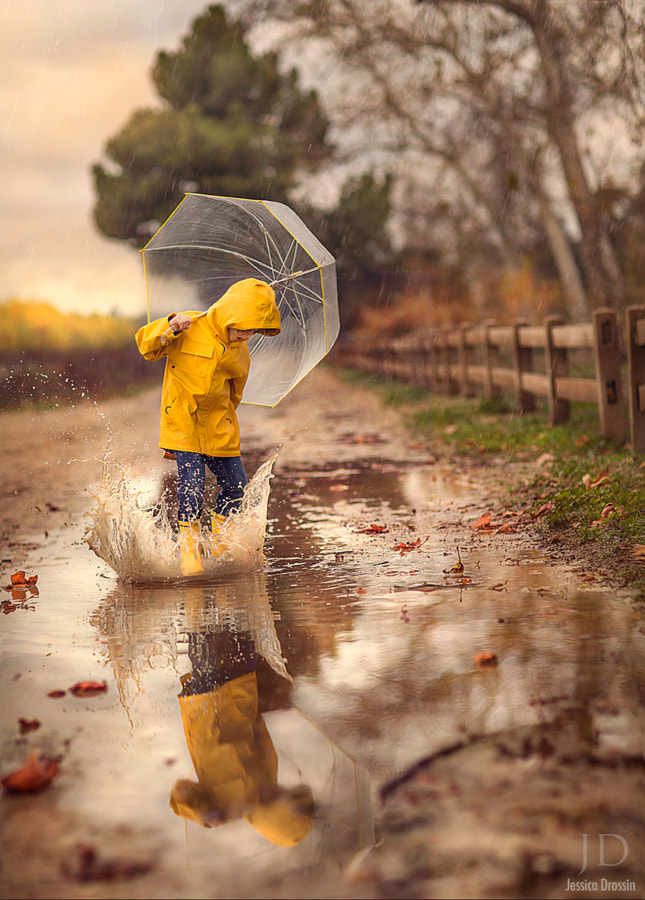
237	767
206	373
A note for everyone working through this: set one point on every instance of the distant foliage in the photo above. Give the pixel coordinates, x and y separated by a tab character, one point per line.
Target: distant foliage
38	325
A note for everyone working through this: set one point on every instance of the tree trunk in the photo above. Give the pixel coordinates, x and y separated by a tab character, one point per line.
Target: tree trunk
602	272
577	301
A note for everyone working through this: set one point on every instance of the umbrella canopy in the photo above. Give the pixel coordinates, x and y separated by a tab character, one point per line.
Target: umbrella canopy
208	243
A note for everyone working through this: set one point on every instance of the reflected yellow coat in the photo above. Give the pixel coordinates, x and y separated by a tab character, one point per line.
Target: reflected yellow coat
205	373
236	765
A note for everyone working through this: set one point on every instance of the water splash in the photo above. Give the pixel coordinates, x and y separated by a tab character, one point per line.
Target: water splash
139	544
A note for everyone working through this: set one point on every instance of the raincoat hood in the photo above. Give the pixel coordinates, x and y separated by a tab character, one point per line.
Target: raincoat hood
248	305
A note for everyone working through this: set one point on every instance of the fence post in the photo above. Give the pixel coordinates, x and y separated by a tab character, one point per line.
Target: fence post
635	316
435	368
465	359
452	367
522	362
491	359
452	384
426	362
442	367
557	366
611	404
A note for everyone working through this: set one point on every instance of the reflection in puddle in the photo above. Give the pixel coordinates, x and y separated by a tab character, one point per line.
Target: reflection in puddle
259	779
259	702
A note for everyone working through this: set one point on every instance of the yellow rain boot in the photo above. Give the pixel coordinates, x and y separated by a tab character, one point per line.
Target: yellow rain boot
190	541
217	521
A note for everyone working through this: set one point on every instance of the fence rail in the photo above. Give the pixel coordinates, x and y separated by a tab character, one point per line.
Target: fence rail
492	360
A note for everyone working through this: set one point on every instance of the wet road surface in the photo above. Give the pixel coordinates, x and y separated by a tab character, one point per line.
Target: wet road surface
277	706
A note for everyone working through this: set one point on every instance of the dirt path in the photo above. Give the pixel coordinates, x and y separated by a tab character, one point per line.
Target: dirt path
500	815
52	456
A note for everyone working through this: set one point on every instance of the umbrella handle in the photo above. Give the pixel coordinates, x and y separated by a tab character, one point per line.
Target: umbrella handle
167	335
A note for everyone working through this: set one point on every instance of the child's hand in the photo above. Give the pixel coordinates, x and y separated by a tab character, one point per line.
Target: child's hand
179	323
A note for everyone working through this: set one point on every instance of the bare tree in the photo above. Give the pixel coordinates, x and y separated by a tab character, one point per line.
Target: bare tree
510	104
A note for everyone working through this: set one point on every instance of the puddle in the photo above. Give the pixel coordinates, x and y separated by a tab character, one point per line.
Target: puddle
130	530
271	703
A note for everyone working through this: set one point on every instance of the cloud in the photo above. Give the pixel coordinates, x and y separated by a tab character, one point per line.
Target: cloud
71	74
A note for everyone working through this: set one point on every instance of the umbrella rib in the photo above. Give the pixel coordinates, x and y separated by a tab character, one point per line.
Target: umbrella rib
254	263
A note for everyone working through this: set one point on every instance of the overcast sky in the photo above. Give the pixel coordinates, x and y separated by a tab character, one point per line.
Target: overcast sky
71	73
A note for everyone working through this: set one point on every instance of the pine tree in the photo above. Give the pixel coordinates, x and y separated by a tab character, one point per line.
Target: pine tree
230	124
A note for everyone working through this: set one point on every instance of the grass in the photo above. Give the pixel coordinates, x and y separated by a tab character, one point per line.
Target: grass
606	515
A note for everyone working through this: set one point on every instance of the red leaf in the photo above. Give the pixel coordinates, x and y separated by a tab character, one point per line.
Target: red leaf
37	773
373	529
484	521
27	725
404	547
88	688
20	580
485	659
508	528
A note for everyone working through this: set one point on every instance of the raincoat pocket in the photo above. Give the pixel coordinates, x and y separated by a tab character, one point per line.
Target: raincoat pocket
199	354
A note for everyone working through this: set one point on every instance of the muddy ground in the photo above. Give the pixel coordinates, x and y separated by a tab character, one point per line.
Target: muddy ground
489	816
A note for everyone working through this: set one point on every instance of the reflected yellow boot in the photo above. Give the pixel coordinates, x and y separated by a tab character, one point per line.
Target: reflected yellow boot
190	541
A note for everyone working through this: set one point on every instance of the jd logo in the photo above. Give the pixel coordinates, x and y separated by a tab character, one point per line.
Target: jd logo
601	850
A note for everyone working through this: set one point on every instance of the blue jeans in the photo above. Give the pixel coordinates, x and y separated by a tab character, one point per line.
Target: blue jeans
191	483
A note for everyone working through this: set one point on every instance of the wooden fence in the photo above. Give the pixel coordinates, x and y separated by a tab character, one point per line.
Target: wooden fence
525	361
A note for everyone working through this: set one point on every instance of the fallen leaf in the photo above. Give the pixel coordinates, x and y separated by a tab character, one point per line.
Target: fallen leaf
27	725
88	688
37	773
19	579
484	521
638	551
91	868
590	483
606	512
457	567
406	547
373	529
56	694
485	659
509	528
545	508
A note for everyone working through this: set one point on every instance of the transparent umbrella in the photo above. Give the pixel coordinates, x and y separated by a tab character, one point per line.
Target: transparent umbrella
208	243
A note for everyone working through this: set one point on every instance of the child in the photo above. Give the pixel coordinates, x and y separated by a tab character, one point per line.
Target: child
233	755
207	365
